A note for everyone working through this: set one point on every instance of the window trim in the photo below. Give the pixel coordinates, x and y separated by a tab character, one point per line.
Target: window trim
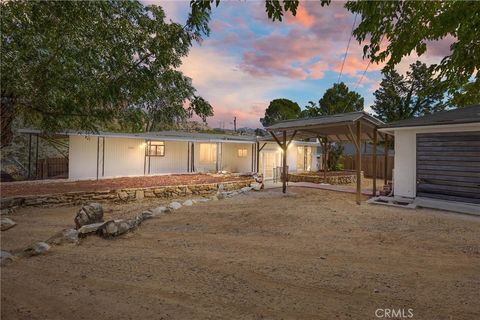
158	145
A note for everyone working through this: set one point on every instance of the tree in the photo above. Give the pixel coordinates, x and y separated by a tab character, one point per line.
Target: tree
86	65
415	94
280	109
407	27
337	99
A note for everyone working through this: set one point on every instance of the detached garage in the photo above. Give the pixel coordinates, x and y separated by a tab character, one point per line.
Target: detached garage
437	159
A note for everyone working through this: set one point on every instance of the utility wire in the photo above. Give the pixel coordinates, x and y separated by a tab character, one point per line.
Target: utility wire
348	46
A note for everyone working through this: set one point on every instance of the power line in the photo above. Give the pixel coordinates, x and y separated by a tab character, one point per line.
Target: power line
348	46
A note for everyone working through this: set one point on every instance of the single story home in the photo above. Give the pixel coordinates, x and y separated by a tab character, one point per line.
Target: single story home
111	154
437	158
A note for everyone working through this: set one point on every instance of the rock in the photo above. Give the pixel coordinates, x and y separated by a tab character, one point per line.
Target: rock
7	223
257	186
66	235
221	187
220	195
91	213
5	258
36	249
188	203
214	198
155	212
139	194
122	195
175	205
89	228
376	290
246	189
115	228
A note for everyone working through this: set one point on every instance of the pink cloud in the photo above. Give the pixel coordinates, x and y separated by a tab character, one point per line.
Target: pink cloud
302	17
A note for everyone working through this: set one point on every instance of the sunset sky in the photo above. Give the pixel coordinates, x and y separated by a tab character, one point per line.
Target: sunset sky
248	60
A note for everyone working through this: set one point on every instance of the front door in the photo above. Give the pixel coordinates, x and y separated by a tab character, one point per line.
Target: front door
268	161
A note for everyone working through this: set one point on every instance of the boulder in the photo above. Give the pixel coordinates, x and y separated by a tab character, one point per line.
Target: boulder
214	198
220	195
257	186
5	258
64	236
115	228
88	214
175	205
89	228
221	187
188	203
139	194
7	223
36	249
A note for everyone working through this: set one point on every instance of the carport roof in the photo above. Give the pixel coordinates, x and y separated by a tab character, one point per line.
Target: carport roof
336	127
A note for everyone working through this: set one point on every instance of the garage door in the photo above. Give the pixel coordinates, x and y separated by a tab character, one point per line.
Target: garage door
448	166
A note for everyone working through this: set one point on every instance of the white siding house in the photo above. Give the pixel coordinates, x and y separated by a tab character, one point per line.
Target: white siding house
111	155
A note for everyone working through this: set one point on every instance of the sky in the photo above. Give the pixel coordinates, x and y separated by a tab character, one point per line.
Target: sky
248	60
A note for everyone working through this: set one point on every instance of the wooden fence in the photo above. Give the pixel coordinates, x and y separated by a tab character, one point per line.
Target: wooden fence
367	165
52	168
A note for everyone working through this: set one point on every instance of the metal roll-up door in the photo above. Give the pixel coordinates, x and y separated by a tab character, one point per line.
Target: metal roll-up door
448	166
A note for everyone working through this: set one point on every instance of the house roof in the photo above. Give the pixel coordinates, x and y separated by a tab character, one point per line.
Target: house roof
470	114
160	135
336	127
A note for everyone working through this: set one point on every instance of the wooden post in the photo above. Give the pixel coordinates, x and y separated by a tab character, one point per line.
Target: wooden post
325	160
385	165
374	187
284	175
359	162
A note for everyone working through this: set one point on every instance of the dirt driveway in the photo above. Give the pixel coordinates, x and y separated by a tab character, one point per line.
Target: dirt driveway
312	254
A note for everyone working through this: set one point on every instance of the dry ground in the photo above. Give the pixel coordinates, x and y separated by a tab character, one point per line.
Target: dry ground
310	254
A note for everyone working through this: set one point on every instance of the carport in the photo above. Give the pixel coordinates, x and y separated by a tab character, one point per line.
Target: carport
355	127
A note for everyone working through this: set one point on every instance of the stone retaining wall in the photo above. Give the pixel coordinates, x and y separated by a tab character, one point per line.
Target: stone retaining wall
120	195
315	178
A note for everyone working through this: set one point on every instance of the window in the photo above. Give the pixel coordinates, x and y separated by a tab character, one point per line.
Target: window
242	152
208	153
156	149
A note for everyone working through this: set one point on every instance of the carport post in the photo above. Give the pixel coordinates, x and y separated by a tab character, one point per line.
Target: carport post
359	162
374	159
325	160
284	173
385	166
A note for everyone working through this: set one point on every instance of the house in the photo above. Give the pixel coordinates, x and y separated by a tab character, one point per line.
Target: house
437	158
110	154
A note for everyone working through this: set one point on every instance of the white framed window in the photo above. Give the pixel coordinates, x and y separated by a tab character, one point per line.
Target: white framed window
208	153
156	149
242	152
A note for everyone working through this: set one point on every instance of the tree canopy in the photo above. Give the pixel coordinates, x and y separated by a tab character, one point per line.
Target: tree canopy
280	109
415	94
83	65
337	99
393	30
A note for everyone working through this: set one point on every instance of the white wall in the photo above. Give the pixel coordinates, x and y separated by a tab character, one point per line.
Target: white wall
232	162
174	161
124	157
82	155
405	165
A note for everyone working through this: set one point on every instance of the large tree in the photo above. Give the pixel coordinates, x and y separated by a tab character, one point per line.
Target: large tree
404	96
393	30
337	99
280	109
85	65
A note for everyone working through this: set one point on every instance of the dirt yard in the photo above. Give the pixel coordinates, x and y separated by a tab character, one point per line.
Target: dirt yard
310	254
39	187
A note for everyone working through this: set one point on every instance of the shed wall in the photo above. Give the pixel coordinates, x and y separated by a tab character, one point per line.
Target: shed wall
404	178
